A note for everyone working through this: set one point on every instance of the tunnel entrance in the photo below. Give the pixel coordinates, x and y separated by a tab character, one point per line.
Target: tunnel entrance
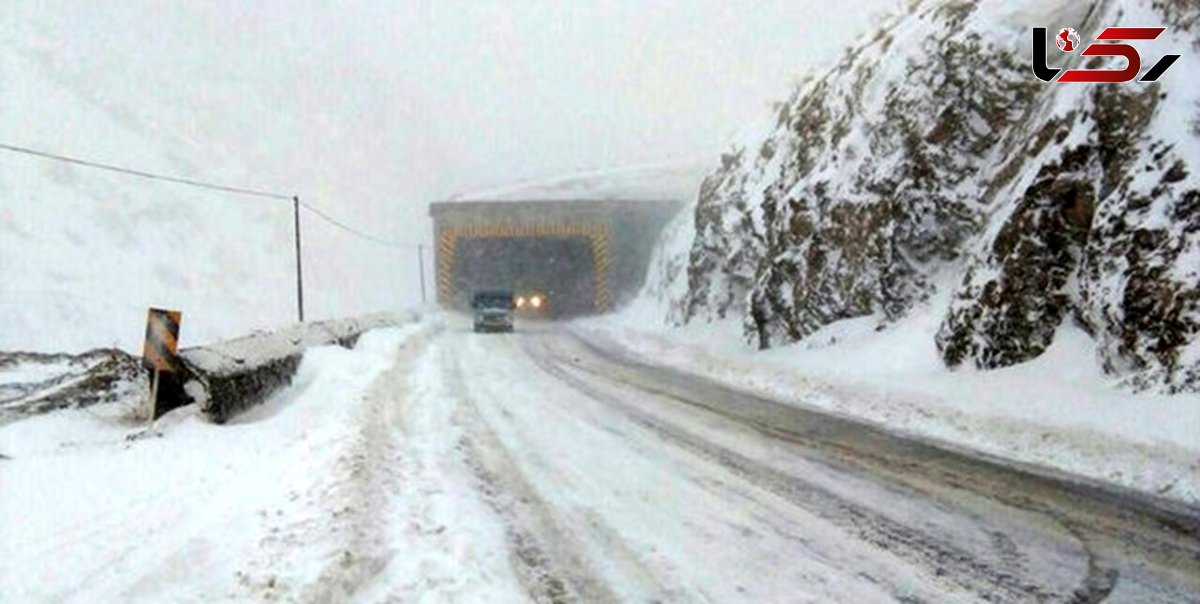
561	270
587	255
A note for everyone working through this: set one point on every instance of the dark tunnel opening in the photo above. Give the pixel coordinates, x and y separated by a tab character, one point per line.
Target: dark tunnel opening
559	269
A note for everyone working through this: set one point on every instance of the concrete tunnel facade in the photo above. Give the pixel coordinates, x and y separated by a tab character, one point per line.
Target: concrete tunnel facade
585	256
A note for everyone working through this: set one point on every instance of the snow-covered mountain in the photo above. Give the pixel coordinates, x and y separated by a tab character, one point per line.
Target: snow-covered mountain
84	252
931	159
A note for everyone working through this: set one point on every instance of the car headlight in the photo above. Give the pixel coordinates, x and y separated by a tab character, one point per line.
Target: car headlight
520	301
536	301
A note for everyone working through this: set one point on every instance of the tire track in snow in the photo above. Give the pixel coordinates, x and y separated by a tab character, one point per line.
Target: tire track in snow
353	500
987	580
546	557
1134	548
371	479
608	511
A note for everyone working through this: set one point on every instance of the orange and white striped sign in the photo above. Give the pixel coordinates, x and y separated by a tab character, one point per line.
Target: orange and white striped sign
162	339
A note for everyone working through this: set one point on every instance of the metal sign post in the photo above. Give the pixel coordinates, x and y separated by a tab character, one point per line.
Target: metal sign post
152	404
159	352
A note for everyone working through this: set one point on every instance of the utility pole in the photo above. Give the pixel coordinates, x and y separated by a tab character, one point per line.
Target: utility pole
299	261
421	266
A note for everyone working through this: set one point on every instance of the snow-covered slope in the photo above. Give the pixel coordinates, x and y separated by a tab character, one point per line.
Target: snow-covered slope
83	253
329	489
931	158
670	181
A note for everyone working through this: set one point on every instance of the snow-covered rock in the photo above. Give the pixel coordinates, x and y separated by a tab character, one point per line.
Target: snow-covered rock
932	152
32	383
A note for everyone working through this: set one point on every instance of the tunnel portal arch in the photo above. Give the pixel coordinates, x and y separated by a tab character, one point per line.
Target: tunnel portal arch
453	288
606	242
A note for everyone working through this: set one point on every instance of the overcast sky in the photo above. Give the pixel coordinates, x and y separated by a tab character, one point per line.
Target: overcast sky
561	86
373	109
368	110
430	98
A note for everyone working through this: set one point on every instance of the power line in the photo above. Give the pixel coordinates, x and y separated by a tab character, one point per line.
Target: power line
140	173
205	185
354	231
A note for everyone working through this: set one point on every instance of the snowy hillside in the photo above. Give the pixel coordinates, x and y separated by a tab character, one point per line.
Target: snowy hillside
83	252
931	161
674	181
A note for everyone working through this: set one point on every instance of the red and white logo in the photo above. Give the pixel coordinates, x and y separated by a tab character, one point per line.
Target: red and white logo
1067	39
1108	44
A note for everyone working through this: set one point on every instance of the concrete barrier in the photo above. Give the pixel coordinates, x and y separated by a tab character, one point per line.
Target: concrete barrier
226	378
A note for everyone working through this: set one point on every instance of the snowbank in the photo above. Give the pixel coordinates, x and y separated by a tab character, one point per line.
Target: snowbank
1058	411
229	377
191	510
342	484
32	383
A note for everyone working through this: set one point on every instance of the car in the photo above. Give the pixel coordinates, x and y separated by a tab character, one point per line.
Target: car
493	310
532	304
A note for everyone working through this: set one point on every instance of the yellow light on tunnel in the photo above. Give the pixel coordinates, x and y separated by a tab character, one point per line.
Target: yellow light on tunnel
536	301
520	301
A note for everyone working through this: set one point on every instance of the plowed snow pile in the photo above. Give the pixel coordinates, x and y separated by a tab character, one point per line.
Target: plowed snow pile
313	496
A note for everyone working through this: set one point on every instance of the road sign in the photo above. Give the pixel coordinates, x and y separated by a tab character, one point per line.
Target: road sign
160	348
162	339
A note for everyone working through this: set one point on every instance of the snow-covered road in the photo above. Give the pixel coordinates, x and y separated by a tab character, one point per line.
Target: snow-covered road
432	464
663	486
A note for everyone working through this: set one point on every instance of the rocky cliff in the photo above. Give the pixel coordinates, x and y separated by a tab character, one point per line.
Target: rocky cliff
932	157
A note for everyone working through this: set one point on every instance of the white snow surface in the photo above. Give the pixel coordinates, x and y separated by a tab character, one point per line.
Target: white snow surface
303	499
264	346
31	372
851	153
83	253
663	181
1058	411
351	485
430	464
